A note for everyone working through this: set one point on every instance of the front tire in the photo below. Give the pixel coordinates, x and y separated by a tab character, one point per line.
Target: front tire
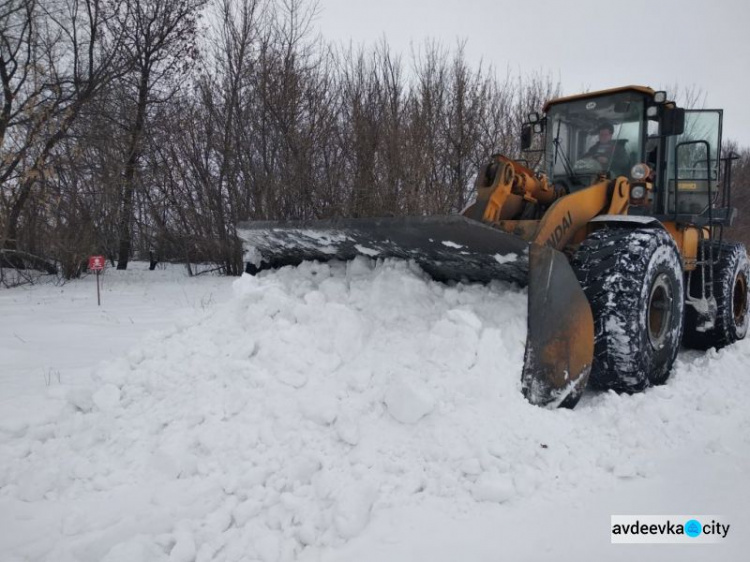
634	283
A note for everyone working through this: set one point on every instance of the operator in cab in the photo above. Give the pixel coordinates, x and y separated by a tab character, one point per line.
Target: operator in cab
610	154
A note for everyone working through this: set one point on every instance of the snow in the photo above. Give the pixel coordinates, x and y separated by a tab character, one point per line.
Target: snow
335	412
493	488
509	258
450	244
365	251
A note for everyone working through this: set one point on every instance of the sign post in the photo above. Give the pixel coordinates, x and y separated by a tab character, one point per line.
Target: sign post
96	263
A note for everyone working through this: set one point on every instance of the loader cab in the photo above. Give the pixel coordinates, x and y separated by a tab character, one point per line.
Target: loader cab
680	147
573	128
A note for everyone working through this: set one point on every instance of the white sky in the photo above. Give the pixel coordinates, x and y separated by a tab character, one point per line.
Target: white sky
591	44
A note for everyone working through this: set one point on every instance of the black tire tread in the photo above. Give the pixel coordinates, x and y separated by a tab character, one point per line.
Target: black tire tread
610	265
724	332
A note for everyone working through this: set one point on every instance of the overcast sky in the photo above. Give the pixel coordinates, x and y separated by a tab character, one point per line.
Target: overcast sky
584	43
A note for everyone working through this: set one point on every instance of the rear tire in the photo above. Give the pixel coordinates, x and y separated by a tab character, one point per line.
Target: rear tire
731	275
633	280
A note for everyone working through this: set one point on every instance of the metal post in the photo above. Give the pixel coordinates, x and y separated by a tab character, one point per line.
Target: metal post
98	297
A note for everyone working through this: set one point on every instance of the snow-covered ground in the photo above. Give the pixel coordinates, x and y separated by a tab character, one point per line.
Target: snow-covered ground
344	412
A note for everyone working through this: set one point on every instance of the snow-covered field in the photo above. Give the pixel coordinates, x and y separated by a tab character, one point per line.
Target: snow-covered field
344	412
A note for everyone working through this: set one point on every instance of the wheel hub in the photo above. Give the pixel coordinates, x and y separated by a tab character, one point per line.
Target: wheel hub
659	311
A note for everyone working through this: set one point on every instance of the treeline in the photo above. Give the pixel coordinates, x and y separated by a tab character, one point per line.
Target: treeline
150	128
740	192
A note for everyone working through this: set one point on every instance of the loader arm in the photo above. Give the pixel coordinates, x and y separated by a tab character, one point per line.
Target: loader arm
566	218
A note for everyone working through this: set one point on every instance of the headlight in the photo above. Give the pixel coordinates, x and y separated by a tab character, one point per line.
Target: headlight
640	172
638	192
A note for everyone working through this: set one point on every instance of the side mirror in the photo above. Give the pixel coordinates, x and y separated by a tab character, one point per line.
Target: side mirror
673	121
526	137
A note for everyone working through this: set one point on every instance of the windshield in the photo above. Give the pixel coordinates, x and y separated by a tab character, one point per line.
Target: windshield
594	136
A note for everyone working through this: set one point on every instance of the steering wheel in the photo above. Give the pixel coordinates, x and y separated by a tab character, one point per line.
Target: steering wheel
588	165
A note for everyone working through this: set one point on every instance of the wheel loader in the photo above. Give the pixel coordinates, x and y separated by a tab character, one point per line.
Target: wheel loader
620	241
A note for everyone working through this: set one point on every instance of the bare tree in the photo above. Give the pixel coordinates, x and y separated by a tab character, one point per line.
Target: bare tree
160	39
740	189
55	57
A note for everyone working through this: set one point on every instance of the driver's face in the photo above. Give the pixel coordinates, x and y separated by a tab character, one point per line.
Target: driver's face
605	135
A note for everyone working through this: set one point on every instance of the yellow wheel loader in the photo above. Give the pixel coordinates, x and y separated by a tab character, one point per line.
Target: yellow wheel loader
618	235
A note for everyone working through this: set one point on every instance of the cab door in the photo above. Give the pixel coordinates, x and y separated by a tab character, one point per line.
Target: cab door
693	163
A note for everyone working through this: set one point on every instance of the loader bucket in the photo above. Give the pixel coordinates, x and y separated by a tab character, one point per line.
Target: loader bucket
560	341
560	338
448	248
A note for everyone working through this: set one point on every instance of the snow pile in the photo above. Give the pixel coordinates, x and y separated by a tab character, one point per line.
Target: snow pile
280	423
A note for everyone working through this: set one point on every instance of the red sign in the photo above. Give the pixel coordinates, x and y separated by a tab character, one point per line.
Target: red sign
96	263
